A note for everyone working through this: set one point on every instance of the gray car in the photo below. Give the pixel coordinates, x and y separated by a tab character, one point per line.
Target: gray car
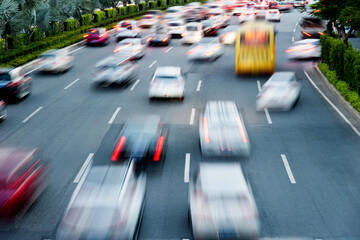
3	110
221	203
108	203
115	69
222	130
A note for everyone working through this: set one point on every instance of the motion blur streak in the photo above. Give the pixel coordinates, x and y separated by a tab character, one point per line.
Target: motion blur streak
19	180
206	130
159	147
118	148
241	129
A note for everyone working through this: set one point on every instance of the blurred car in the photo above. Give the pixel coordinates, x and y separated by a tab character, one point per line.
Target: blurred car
160	35
156	13
97	36
273	5
131	47
260	14
219	17
238	11
176	28
194	15
108	203
284	6
167	82
221	203
206	49
127	29
14	84
192	5
168	18
115	69
175	11
247	16
210	28
143	139
280	92
299	3
55	60
23	177
311	27
147	21
228	35
3	110
273	15
222	130
307	48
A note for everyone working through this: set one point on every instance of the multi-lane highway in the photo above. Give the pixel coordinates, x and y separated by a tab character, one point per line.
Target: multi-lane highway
303	168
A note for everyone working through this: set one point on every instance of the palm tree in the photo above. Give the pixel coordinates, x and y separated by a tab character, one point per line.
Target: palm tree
11	20
47	13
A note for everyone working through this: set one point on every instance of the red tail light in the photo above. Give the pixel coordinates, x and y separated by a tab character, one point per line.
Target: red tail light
19	180
307	34
165	39
241	129
86	35
321	33
159	147
118	148
206	130
194	50
2	102
13	84
149	39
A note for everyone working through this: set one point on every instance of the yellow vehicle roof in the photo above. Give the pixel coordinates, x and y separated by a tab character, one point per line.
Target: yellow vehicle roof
256	25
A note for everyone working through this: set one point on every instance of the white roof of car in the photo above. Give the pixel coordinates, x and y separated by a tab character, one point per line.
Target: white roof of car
168	71
309	40
195	24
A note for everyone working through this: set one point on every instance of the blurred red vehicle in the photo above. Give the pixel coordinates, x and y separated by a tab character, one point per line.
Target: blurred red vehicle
97	36
22	179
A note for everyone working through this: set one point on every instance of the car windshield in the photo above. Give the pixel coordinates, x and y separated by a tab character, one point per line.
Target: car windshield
126	25
171	11
94	31
48	56
207	24
174	24
168	79
191	28
148	17
5	77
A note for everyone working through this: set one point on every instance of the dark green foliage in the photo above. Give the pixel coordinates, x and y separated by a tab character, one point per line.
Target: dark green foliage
123	11
161	3
86	19
99	16
153	4
171	2
337	58
110	12
143	6
70	24
132	9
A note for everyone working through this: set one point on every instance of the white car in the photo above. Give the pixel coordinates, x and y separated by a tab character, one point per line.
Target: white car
206	49
221	203
131	47
176	28
193	33
115	69
222	130
147	21
280	92
307	48
55	60
273	15
228	35
127	29
167	82
247	16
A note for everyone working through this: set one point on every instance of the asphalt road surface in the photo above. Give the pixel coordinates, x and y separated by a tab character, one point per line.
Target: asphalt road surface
317	199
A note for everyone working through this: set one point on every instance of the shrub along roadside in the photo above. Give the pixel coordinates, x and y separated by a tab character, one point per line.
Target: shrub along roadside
343	87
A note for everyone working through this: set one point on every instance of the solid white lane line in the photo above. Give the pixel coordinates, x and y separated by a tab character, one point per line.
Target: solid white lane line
258	85
187	168
72	83
114	115
152	64
133	86
293	39
76	49
267	114
294	28
83	168
288	169
192	116
32	70
167	50
332	105
32	114
198	86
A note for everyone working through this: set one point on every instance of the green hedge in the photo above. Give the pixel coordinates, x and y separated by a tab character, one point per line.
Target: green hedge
123	11
143	6
56	28
161	3
179	2
171	2
99	16
86	19
2	44
71	24
132	9
152	4
110	13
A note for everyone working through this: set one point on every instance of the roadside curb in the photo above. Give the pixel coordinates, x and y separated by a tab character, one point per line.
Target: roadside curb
354	113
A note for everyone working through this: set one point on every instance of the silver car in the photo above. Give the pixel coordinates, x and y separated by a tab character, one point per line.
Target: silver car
115	69
206	49
167	82
55	60
221	202
3	110
131	47
307	48
127	29
108	203
176	28
222	130
280	92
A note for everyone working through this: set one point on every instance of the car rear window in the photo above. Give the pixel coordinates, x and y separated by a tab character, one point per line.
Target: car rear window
94	31
191	28
5	77
126	25
174	24
147	17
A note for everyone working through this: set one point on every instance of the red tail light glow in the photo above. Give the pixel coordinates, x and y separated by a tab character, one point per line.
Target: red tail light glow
159	147
92	31
307	34
149	39
206	130
118	148
192	51
321	33
86	35
165	39
241	129
25	173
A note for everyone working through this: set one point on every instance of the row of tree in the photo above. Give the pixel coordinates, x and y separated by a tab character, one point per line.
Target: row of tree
340	14
24	16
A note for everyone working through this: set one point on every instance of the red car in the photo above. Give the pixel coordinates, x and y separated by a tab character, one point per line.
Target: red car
97	36
22	178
